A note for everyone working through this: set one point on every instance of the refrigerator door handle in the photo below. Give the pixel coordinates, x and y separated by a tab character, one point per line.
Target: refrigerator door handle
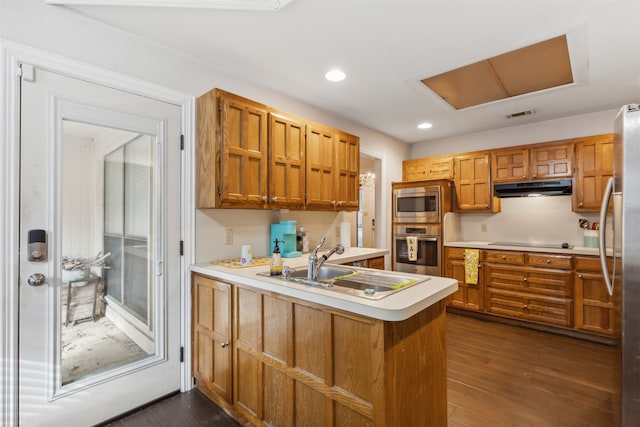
603	225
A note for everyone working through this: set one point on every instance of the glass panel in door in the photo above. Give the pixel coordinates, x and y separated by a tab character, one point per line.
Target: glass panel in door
107	249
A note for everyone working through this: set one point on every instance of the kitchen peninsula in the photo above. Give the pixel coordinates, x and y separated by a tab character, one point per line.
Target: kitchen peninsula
279	353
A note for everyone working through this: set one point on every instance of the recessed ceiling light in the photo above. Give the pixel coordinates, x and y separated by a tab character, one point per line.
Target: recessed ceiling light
335	75
425	125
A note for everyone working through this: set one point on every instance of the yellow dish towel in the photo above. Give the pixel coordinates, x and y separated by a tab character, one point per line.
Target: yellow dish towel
471	266
412	248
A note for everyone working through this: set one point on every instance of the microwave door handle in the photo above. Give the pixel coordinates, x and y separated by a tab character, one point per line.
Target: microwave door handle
602	247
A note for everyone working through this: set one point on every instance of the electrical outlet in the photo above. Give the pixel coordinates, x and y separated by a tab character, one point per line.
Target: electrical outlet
483	227
228	236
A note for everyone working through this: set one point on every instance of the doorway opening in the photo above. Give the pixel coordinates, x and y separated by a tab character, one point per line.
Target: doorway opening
366	215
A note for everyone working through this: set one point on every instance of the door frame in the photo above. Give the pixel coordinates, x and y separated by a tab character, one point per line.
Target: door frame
11	56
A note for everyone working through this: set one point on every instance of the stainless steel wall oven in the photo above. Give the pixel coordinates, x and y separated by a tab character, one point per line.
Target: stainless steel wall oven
426	257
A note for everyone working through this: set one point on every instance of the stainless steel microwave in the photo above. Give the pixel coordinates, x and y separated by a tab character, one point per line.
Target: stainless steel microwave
417	204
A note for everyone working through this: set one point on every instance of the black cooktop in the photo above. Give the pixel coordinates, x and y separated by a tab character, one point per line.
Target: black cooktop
534	245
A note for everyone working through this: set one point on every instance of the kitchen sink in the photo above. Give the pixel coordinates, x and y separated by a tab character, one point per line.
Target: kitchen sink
368	284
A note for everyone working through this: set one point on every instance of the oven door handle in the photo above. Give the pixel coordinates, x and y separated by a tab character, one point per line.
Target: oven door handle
420	238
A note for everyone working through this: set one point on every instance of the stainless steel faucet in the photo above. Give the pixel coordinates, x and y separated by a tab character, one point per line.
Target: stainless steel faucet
315	263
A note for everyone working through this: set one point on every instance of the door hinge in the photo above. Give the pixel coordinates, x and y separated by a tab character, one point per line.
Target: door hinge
27	72
181	247
181	142
181	354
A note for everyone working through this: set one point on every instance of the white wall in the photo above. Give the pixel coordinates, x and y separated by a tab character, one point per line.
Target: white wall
57	30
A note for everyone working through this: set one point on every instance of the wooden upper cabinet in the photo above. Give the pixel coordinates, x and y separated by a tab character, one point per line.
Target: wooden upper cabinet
594	167
554	160
415	169
473	182
286	161
231	151
249	155
320	159
510	164
243	166
440	167
347	161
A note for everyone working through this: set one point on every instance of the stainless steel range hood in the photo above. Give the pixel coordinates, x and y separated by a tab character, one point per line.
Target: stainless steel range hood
561	187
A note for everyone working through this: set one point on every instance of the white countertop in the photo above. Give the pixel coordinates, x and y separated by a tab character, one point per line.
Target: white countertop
398	306
576	250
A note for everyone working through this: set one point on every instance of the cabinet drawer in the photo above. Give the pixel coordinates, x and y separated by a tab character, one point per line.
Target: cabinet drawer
505	257
458	253
590	263
519	305
549	261
533	280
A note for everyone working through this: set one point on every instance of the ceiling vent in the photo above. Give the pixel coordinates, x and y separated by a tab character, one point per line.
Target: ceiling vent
530	69
520	114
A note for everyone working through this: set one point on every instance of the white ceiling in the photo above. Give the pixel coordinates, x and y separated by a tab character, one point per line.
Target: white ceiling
387	46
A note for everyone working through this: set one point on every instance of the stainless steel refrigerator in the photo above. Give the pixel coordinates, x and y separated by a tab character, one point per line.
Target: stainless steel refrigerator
623	279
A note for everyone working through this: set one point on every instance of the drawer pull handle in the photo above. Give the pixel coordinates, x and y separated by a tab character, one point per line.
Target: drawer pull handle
224	344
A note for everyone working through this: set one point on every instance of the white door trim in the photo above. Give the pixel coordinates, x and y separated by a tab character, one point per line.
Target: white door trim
11	56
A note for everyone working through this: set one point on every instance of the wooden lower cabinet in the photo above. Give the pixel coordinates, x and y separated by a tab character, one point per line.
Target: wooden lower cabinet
517	288
594	307
211	331
297	363
376	262
468	296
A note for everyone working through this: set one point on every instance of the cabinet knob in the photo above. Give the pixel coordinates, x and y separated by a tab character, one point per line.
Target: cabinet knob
579	276
524	306
580	204
333	202
548	261
534	175
486	206
524	279
274	199
341	202
504	257
264	198
224	344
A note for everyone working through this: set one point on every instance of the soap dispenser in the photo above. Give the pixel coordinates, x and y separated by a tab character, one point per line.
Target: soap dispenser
276	260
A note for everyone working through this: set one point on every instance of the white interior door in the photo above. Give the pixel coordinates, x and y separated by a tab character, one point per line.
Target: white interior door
100	302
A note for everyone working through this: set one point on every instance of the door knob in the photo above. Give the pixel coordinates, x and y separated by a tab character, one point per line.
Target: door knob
36	279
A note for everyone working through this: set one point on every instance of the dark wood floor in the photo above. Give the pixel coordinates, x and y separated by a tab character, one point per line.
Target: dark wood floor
498	375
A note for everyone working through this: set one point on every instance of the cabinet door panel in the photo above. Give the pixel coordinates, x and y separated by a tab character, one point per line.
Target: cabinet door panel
473	182
552	161
243	163
320	177
212	336
287	161
594	157
510	165
348	171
